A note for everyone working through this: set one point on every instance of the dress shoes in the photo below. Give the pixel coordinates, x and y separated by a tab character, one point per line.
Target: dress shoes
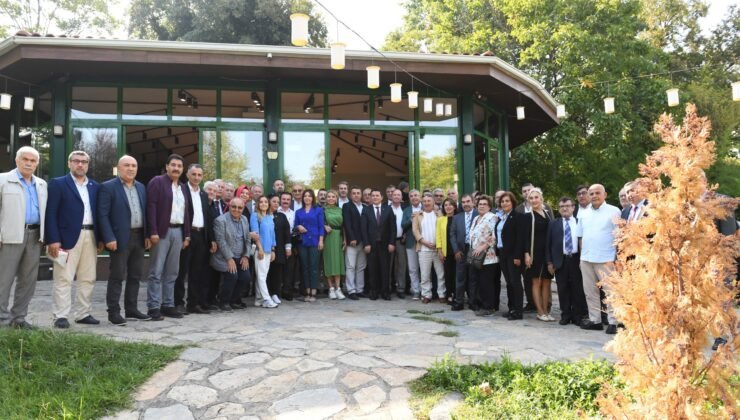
443	301
362	295
88	320
590	325
353	296
288	297
212	307
225	308
373	296
21	325
514	316
425	300
197	309
401	295
155	315
116	319
171	312
136	314
483	312
182	309
386	297
529	308
611	329
564	321
457	307
61	323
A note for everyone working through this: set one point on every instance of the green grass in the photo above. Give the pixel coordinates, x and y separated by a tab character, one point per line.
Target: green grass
433	319
448	333
49	374
543	391
431	312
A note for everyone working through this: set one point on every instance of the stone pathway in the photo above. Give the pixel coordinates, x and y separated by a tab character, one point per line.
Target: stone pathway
338	359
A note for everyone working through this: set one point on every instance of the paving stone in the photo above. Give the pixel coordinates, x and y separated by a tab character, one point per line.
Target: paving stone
327	354
269	389
307	365
173	412
355	378
199	355
398	376
234	378
317	335
123	415
370	398
319	377
249	418
311	404
467	345
161	380
281	363
248	359
290	344
445	406
293	353
197	375
224	409
193	395
357	360
468	352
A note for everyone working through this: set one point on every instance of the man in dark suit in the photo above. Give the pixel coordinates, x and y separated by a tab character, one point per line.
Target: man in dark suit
168	224
636	195
355	258
72	240
194	259
378	238
563	259
213	276
460	242
122	220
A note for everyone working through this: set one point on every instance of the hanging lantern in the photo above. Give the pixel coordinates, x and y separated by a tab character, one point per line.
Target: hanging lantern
373	77
299	29
396	95
520	113
413	98
448	110
736	91
672	96
5	100
337	55
609	105
428	105
440	109
28	103
560	110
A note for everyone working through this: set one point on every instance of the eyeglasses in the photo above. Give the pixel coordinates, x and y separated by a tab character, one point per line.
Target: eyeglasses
79	161
582	193
439	195
297	191
237	208
565	206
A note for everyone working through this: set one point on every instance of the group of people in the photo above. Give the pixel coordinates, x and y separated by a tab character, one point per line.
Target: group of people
207	244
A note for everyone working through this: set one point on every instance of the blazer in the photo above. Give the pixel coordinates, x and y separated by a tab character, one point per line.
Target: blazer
512	236
13	207
482	231
65	210
457	230
441	232
554	253
282	237
640	212
548	210
114	213
417	220
226	235
352	222
407	225
205	208
159	206
371	228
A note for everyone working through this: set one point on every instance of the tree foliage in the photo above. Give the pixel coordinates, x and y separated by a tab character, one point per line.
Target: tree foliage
71	17
265	22
669	288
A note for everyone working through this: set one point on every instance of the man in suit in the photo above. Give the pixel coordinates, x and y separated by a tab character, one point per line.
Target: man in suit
218	202
168	224
563	258
23	199
425	232
257	192
378	238
398	258
412	257
460	242
343	191
71	228
194	259
355	259
231	232
213	277
636	195
293	263
297	191
122	220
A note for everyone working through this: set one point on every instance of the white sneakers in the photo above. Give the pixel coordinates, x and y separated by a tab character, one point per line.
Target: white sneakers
276	299
268	303
545	318
339	293
332	293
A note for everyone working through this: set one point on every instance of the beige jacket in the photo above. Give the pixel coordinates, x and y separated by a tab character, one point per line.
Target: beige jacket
416	220
13	207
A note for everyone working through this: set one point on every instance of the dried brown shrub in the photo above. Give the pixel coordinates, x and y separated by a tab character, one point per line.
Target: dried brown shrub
669	289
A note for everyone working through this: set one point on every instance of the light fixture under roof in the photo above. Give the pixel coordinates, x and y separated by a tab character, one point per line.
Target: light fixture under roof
308	106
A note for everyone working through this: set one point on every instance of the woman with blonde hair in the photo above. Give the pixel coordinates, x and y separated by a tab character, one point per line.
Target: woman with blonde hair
534	227
333	245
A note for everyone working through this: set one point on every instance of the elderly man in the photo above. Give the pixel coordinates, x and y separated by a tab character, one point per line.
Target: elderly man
22	212
122	220
598	253
71	235
257	192
439	198
228	193
425	232
412	257
297	191
636	195
231	232
460	241
278	186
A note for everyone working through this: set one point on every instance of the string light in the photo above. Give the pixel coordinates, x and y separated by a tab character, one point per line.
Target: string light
520	112
448	110
337	55
395	90
440	109
428	105
609	105
373	77
560	110
5	98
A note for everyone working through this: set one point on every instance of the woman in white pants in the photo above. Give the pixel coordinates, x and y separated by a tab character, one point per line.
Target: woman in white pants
263	224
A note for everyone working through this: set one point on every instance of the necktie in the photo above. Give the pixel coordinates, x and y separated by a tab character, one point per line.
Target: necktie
568	238
467	227
632	214
377	215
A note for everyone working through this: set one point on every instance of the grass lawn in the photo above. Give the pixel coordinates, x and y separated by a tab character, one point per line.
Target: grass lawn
508	389
50	374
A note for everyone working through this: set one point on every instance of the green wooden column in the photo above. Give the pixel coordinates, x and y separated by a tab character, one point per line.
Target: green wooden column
503	155
272	124
58	117
467	155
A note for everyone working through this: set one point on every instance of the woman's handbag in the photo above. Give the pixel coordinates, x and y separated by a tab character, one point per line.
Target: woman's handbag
476	261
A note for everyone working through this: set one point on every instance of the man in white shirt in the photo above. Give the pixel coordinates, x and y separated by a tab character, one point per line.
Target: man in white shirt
297	203
293	263
425	232
398	259
343	191
355	258
598	253
584	200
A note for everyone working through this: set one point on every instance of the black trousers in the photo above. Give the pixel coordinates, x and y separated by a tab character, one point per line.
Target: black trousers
450	266
377	265
213	278
487	282
570	289
193	261
513	276
233	284
275	278
126	263
465	282
528	289
292	277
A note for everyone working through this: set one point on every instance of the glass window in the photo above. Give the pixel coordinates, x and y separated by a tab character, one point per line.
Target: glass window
242	157
193	105
389	113
102	146
93	102
439	117
349	109
302	107
438	161
303	159
144	104
242	106
208	157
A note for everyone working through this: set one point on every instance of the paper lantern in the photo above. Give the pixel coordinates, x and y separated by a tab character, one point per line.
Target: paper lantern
560	109
5	100
299	29
28	103
609	105
373	77
672	96
448	110
440	109
428	105
413	98
520	113
396	95
736	91
337	55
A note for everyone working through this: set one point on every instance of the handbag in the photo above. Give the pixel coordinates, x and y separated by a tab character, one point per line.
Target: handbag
475	261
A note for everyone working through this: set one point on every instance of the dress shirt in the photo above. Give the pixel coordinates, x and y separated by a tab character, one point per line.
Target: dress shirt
33	217
342	201
237	247
265	226
500	228
429	229
596	228
573	223
359	208
177	216
583	210
197	207
313	222
87	218
290	215
399	215
636	212
297	205
468	221
137	218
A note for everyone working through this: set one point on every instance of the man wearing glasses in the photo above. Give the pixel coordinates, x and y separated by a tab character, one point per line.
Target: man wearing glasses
297	197
71	236
584	200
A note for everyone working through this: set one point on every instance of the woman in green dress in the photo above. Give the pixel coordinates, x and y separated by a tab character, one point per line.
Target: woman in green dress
333	245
